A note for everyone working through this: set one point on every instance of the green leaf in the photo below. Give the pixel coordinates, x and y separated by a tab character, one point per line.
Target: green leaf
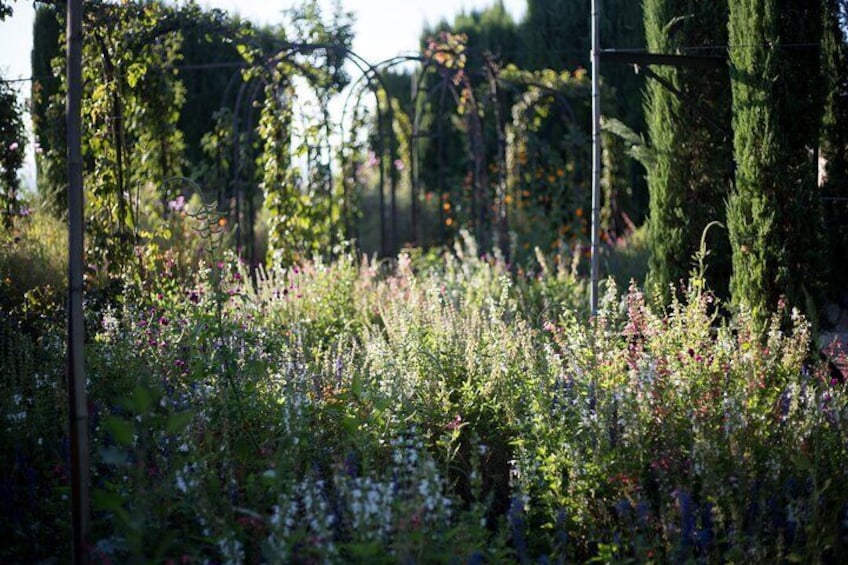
109	502
177	422
135	72
105	500
802	462
142	400
120	430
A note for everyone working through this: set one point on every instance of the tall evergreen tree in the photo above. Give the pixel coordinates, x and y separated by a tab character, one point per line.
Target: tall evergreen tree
774	213
688	113
833	163
48	118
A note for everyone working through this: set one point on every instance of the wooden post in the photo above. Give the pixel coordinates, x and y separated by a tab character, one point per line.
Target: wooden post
78	408
596	155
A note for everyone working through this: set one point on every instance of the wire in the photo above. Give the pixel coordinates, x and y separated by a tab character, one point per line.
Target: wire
802	45
20	79
197	67
514	53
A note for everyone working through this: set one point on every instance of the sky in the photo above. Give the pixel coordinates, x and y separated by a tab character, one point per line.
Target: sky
383	29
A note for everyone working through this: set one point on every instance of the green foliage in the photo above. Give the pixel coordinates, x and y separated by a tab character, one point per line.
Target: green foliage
13	142
774	214
834	143
33	267
688	116
546	180
556	35
209	42
438	408
5	9
48	116
302	216
131	103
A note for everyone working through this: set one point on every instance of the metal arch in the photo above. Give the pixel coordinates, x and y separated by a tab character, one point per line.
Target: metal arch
370	79
369	72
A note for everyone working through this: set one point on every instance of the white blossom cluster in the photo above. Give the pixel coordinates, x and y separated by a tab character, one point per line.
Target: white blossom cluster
303	512
369	506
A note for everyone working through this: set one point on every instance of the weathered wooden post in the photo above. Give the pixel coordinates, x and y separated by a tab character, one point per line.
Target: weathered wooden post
78	408
596	154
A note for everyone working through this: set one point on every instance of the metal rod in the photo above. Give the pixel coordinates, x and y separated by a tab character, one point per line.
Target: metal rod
644	59
78	407
596	155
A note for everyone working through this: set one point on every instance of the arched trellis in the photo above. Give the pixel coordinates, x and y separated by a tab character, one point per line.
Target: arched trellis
488	201
244	111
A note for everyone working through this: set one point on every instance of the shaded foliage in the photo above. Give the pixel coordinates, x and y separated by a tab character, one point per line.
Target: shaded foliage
688	115
774	211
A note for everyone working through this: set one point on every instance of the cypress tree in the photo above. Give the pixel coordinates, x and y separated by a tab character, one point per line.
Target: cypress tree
774	214
48	117
687	113
833	164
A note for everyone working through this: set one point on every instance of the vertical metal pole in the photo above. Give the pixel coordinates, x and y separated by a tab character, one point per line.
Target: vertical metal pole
78	408
596	154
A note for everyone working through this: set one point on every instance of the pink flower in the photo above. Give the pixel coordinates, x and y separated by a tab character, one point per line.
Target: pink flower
14	146
399	164
177	204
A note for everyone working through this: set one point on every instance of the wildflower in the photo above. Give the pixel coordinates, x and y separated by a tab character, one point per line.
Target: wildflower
687	515
455	423
14	146
623	508
398	163
516	523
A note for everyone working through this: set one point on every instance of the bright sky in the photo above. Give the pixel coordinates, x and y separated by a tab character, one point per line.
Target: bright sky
383	28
